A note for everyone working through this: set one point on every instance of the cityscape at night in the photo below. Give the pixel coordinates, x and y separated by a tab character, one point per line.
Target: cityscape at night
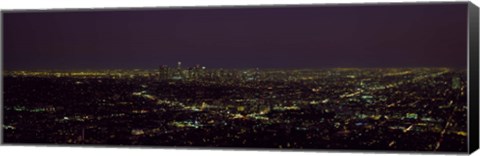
340	108
367	77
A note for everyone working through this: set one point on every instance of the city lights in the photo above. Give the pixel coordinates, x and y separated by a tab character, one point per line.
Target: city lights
338	108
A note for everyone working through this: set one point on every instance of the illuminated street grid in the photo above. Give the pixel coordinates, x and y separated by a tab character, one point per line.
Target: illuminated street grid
342	108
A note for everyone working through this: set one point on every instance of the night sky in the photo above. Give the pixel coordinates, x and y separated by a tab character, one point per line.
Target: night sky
420	35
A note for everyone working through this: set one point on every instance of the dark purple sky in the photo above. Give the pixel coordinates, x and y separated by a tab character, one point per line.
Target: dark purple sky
419	35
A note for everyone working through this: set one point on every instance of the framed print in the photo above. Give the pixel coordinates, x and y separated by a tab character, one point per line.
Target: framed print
399	77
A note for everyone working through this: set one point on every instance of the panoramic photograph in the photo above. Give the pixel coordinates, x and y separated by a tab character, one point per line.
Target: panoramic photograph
314	77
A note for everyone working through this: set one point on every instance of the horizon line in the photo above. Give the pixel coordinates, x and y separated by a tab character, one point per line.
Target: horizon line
247	68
